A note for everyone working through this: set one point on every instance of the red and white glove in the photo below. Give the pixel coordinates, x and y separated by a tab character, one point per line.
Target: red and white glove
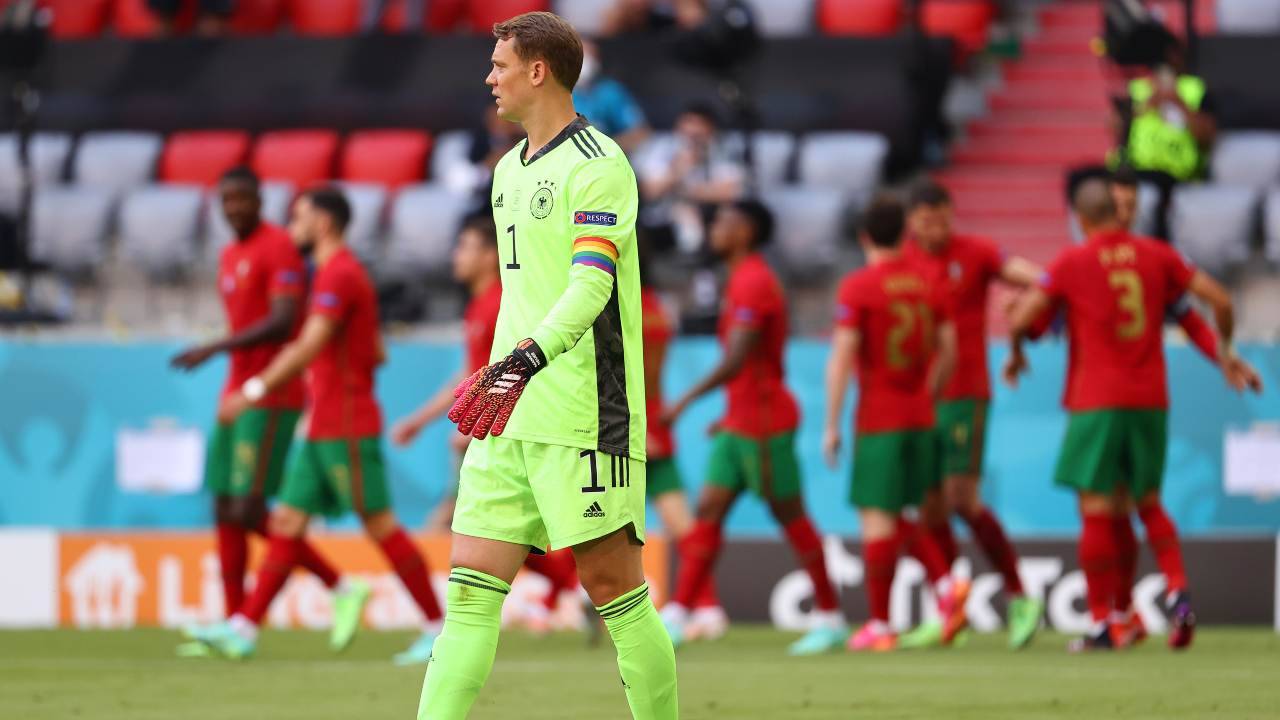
486	400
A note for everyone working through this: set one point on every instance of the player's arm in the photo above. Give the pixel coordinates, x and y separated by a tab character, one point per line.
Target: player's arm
318	330
1033	303
1238	373
844	348
408	427
944	363
1020	272
742	340
274	328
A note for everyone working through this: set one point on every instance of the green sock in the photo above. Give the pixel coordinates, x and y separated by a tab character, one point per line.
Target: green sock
646	659
463	654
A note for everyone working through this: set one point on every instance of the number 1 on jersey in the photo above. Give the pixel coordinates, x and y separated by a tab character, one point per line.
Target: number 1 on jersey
514	264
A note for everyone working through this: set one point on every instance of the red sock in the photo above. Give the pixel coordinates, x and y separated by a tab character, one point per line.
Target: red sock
920	545
558	568
233	555
309	559
707	597
1126	561
881	560
946	542
282	556
412	569
1162	536
808	549
1098	561
996	546
699	549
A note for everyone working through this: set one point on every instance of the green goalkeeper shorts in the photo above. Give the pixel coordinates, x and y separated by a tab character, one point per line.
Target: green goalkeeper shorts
1107	449
537	494
892	470
333	477
247	457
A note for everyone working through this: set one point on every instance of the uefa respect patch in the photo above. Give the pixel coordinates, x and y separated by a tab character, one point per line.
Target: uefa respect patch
586	217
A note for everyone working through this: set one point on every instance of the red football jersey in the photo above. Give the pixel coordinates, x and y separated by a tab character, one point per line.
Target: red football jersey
341	377
251	273
479	322
1115	289
657	331
895	310
966	267
759	403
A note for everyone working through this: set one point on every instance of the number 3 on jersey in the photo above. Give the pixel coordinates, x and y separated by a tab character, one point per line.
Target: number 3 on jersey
515	263
1129	300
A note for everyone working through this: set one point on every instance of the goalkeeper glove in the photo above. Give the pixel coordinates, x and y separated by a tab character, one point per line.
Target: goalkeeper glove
486	400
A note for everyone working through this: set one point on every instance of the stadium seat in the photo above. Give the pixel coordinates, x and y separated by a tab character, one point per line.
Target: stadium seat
158	227
199	157
48	153
965	21
69	225
809	221
132	18
78	18
325	17
585	15
1249	16
1247	158
276	199
1271	224
782	18
483	15
257	17
859	17
424	221
116	161
852	161
771	155
1213	224
368	208
449	158
388	157
300	157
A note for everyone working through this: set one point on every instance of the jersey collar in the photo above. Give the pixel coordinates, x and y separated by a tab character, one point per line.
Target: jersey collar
577	125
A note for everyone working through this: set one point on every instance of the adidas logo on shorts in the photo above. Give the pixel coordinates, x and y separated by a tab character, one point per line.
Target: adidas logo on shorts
595	511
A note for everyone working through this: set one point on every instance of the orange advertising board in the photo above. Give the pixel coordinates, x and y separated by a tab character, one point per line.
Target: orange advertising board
120	580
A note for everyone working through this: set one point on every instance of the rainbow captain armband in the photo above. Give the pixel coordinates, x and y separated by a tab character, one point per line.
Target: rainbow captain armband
596	252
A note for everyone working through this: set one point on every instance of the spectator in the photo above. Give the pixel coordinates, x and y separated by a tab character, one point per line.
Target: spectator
631	16
1165	129
474	172
212	18
607	103
683	178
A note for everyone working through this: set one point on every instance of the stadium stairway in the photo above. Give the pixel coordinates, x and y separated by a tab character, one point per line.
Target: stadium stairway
1007	174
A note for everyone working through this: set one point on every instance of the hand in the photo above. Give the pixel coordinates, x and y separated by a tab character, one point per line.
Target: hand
232	406
191	358
672	412
1015	367
487	398
404	431
1241	375
831	442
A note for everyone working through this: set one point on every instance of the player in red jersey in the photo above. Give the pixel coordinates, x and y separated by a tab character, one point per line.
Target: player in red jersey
754	445
339	467
475	264
894	324
664	487
262	282
967	267
1115	289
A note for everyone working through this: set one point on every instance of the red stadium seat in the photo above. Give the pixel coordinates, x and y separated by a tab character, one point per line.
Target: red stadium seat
199	157
325	17
132	18
965	21
485	14
301	157
859	17
387	157
78	18
442	16
257	17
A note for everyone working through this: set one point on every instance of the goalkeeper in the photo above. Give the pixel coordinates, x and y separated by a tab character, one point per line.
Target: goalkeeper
559	422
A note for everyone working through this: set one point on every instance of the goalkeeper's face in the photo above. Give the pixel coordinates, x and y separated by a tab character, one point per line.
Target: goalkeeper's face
512	81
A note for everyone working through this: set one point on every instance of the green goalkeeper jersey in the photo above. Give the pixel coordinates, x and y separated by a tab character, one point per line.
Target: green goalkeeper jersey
566	221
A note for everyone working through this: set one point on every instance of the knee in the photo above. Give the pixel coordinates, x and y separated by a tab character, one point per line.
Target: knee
286	521
379	525
712	509
785	511
604	584
245	512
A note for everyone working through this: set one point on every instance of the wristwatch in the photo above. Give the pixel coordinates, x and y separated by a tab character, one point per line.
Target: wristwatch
254	389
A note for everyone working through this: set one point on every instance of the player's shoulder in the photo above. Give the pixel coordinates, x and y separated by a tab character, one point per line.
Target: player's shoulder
592	152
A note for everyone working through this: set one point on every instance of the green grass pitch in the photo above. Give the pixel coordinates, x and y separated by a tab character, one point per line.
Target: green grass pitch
134	675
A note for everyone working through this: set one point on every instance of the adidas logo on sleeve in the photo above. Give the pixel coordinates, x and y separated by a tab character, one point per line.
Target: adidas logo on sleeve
595	511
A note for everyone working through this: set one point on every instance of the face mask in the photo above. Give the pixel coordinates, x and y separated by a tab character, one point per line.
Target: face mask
590	66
